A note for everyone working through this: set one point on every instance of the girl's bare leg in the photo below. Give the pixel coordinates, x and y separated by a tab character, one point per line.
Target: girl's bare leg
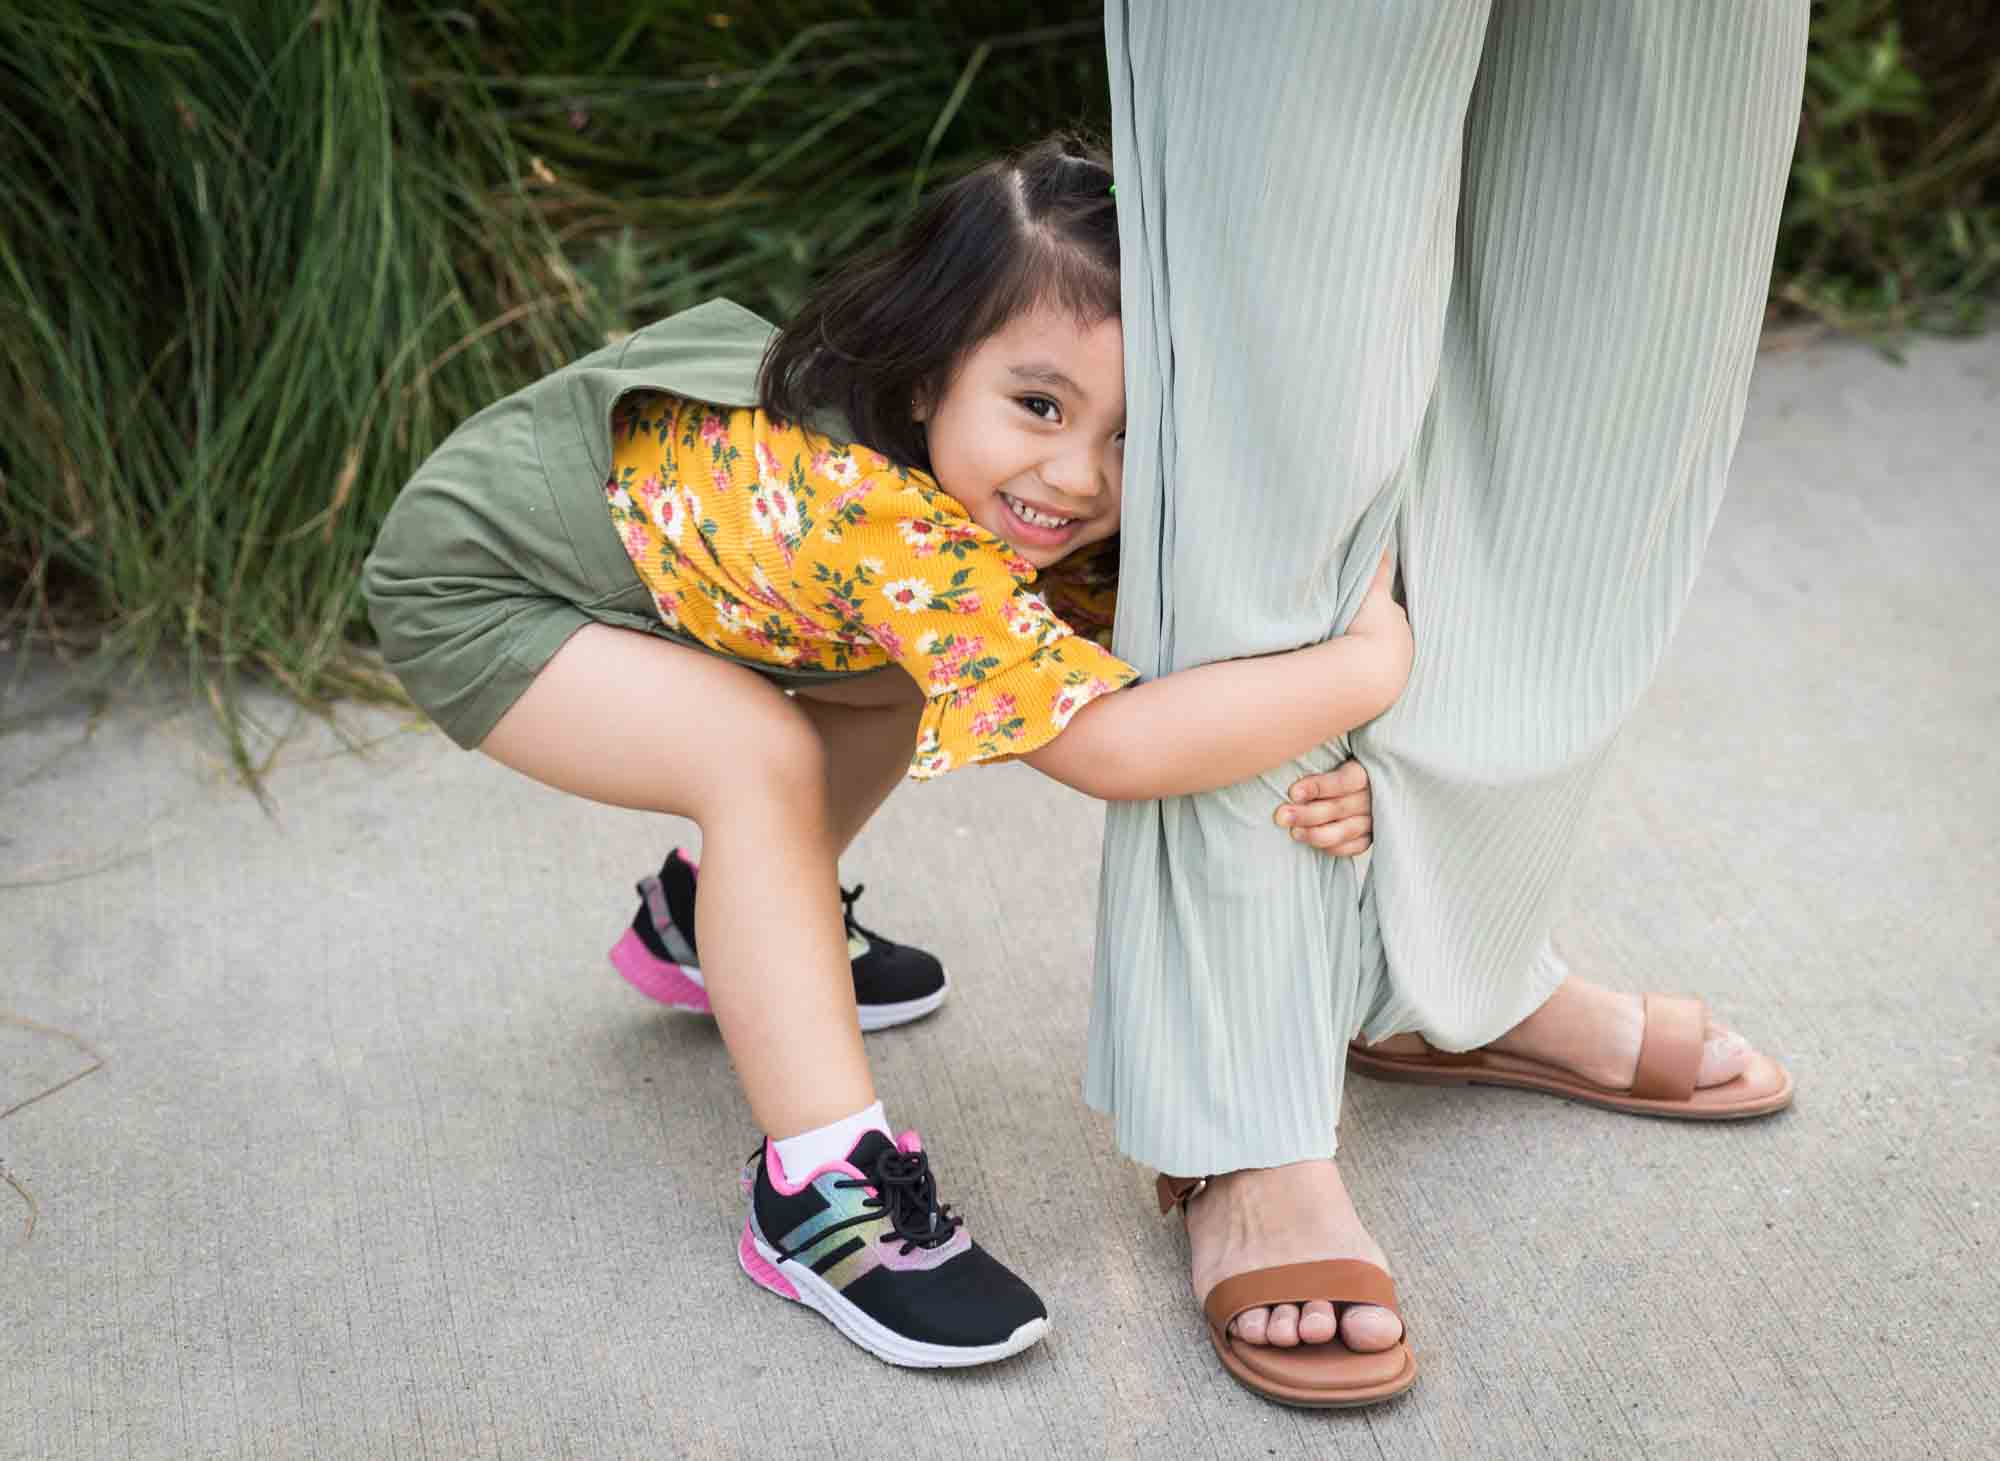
869	729
631	720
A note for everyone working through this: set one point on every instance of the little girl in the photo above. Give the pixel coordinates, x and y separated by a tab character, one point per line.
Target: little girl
753	581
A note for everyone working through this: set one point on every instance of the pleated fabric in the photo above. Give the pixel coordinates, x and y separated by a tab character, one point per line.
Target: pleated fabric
1479	282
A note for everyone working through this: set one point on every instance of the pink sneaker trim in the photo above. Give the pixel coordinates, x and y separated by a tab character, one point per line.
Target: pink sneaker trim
754	1265
909	1142
657	978
693	866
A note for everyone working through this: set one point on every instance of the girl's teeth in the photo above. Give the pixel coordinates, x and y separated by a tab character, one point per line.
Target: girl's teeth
1040	519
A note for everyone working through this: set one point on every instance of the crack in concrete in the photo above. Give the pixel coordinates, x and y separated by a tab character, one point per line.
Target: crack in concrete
96	1064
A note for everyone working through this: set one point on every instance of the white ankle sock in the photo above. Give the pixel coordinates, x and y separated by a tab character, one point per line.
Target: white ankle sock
806	1153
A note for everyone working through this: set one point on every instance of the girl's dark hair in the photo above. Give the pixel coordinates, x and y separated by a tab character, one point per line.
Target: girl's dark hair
1036	228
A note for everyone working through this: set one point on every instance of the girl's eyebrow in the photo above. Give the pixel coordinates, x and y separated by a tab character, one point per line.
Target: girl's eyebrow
1048	375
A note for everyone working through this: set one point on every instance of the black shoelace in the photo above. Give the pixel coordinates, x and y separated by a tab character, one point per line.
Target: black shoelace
847	901
906	1192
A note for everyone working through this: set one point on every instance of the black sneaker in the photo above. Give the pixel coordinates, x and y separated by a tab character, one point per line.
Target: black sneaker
893	983
867	1244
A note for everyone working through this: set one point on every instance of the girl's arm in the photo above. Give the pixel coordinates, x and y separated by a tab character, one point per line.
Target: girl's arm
1222	723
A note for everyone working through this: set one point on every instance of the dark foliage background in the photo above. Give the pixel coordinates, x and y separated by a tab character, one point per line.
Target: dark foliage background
257	258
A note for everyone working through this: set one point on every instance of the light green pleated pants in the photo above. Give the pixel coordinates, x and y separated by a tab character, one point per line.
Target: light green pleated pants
1481	281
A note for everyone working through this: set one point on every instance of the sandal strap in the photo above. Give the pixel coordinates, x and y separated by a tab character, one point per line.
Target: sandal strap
1670	1050
1178	1191
1337	1280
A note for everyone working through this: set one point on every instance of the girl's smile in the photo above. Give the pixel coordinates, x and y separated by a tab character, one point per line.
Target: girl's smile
1030	526
1029	434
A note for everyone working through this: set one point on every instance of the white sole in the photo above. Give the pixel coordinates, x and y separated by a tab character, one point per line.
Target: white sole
884	1343
882	1016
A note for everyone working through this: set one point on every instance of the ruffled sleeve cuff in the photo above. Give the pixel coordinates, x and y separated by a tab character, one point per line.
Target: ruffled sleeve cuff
1014	711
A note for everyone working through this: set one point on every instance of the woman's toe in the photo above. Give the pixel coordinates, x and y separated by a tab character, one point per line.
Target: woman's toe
1367	1327
1249	1326
1283	1330
1724	1056
1317	1323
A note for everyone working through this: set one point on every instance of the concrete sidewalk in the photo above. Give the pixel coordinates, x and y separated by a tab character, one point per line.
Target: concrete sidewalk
383	1160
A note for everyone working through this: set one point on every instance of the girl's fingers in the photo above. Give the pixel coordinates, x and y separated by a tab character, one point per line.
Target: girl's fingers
1335	834
1343	780
1318	813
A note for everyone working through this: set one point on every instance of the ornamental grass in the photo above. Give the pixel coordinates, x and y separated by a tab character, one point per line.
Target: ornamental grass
257	259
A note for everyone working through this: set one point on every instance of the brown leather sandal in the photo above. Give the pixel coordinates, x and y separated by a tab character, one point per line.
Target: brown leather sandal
1320	1376
1669	1058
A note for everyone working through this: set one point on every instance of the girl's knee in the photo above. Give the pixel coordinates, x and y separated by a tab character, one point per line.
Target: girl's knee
778	763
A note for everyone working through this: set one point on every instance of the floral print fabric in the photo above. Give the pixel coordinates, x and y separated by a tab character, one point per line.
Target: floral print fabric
768	541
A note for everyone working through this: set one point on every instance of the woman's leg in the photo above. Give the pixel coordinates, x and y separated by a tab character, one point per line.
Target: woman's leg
1624	171
1550	447
625	718
1287	193
1286	198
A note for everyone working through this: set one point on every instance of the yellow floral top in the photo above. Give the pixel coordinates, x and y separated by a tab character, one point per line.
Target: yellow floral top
772	543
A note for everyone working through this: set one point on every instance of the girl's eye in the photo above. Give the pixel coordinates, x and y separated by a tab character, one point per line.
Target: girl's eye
1041	406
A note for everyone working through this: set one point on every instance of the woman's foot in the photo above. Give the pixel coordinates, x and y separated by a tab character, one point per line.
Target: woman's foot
1293	1214
1595	1032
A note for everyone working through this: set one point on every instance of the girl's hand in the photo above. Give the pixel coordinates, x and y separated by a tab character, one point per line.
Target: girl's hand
1331	811
1381	624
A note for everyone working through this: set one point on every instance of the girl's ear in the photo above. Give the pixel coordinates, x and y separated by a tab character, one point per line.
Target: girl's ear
923	400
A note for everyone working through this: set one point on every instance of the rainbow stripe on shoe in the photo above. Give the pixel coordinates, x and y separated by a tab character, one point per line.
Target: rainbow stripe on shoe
866	1243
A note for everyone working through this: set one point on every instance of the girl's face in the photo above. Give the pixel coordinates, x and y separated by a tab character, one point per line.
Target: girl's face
1029	435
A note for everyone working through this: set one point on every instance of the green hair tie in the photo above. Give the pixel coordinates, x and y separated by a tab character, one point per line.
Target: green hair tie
1112	191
